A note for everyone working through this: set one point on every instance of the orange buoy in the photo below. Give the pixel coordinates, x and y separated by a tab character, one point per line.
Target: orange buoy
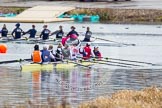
3	48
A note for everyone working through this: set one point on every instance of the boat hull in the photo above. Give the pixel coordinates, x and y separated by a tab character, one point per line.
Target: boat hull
56	42
51	66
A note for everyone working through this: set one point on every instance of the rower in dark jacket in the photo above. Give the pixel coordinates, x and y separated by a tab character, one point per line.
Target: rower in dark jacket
4	31
59	33
73	34
32	32
97	53
17	31
87	35
45	33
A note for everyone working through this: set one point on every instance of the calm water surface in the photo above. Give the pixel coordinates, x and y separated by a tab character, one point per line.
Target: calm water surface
82	84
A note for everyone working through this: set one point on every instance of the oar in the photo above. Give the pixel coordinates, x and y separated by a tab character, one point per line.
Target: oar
118	62
114	41
79	64
13	61
105	63
132	61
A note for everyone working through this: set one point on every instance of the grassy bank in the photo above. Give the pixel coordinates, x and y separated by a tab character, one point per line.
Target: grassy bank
123	15
110	15
15	10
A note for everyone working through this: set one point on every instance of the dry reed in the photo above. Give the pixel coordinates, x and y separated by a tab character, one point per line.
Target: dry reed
146	98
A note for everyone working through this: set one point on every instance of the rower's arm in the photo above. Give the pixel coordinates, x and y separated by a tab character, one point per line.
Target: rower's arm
22	32
77	34
41	34
51	56
27	32
92	54
49	31
13	32
55	32
68	34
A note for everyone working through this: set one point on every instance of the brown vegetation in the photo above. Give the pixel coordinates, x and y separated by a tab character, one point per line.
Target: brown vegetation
147	98
123	15
109	14
15	10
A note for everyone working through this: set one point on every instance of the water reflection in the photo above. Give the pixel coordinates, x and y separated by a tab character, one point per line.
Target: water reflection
70	86
76	85
135	79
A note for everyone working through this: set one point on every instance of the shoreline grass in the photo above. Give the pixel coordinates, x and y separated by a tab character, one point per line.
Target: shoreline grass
109	15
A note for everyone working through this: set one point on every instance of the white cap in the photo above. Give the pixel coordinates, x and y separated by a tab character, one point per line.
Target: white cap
95	46
89	43
45	46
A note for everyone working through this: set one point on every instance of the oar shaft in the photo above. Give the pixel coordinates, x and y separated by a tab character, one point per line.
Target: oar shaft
132	61
114	41
79	64
120	63
113	64
13	61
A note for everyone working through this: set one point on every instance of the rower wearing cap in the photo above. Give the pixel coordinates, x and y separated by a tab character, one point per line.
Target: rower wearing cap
32	32
45	33
17	31
88	51
96	52
36	55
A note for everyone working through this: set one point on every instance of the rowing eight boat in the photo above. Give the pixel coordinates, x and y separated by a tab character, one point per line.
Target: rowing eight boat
51	66
55	42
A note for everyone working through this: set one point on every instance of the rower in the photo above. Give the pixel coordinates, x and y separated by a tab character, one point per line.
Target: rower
4	31
88	51
74	51
88	35
66	52
73	35
36	55
45	33
32	32
59	33
81	52
46	55
96	52
50	48
59	56
17	31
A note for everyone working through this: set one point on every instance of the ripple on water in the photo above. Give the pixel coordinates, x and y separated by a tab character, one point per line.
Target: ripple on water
76	85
